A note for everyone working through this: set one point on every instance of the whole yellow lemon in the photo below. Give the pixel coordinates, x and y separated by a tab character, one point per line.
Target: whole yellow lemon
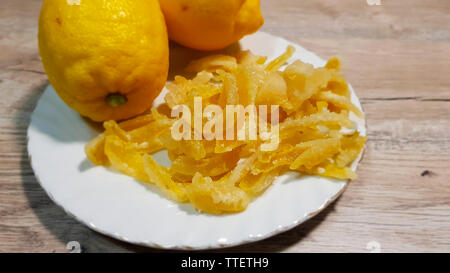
105	59
211	24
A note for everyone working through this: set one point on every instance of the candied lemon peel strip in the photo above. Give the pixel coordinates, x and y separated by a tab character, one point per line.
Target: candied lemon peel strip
223	176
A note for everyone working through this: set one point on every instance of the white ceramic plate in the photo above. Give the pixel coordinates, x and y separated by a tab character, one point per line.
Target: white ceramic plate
128	210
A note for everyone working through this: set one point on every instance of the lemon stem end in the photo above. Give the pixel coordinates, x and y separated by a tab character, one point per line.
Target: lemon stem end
116	99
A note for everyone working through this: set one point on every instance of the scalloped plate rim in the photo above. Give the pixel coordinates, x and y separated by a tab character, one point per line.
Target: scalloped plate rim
213	245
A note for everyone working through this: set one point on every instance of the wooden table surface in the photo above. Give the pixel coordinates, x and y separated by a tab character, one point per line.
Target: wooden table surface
397	57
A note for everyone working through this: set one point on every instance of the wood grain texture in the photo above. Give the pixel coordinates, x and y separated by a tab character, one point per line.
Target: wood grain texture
397	57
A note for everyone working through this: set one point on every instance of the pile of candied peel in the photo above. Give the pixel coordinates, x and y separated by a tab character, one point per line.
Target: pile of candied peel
315	135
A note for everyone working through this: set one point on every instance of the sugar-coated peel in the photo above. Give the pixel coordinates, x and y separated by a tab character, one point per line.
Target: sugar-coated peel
223	176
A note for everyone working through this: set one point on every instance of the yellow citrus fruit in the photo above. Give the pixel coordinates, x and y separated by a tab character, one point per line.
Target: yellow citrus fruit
105	59
211	24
